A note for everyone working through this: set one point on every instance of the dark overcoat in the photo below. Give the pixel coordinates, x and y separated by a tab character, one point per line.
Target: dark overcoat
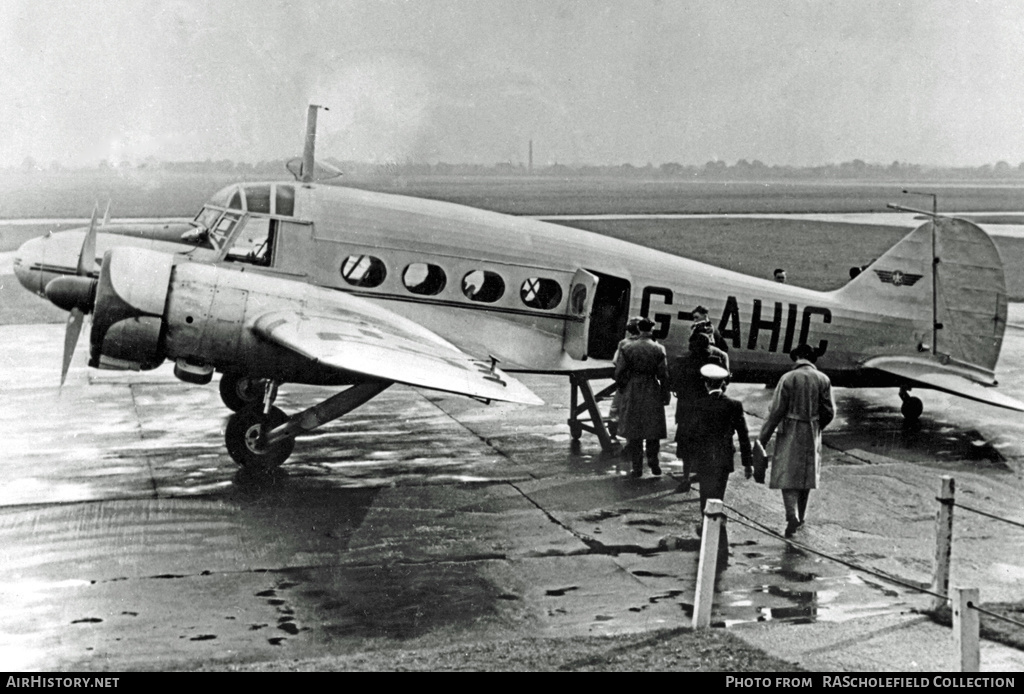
688	385
641	372
714	419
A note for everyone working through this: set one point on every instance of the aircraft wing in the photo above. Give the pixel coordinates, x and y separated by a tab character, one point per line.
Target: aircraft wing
355	336
930	375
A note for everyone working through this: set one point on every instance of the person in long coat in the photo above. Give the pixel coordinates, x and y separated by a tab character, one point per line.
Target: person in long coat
801	407
632	332
641	372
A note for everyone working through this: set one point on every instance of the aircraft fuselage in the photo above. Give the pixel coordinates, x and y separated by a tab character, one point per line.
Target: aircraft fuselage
488	283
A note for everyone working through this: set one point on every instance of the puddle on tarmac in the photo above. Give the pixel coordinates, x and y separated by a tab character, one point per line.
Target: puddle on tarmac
797	589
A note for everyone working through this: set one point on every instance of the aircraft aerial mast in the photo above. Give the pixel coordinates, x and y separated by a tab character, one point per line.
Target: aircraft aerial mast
308	159
935	267
935	259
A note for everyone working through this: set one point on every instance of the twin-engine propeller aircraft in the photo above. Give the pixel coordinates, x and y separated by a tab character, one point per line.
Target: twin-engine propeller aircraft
319	284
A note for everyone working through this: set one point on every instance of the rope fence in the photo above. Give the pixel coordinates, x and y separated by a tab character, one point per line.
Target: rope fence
964	602
989	515
756	525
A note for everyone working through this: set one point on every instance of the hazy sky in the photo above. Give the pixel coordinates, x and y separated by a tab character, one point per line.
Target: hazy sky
803	82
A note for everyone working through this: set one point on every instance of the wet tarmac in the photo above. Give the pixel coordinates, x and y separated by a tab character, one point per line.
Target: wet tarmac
132	542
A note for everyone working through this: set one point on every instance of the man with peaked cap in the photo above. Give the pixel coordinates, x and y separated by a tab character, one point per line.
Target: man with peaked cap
714	420
641	372
801	407
688	385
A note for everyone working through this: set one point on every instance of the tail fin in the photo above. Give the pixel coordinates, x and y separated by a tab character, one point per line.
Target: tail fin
969	291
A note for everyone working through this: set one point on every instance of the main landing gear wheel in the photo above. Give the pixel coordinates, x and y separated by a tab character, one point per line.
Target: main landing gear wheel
244	438
238	392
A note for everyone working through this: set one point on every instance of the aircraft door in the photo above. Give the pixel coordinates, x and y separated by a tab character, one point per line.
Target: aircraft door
582	292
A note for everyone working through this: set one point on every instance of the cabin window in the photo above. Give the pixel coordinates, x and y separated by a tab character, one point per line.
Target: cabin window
285	200
540	292
482	285
258	198
363	271
236	201
424	278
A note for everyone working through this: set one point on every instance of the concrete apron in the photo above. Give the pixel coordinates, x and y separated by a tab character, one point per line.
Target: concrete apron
132	542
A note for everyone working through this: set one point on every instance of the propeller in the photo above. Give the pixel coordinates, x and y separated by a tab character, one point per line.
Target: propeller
76	294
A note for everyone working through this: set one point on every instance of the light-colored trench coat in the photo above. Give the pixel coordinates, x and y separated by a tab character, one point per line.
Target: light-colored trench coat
801	408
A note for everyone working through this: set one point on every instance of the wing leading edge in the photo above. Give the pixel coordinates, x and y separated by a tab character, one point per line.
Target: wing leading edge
930	375
382	345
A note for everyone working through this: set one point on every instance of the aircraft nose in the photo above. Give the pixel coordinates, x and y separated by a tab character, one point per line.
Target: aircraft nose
28	263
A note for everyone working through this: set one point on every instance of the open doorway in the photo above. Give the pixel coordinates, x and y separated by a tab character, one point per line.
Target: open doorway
609	316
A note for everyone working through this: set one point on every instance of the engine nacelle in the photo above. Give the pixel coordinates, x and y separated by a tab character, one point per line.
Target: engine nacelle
127	327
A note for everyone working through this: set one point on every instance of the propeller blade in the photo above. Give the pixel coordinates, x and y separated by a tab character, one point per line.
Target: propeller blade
87	258
71	333
106	215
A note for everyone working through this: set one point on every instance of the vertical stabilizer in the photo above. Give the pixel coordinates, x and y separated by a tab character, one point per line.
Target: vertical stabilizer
968	304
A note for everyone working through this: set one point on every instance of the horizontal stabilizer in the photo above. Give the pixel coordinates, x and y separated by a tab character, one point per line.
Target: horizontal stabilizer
928	374
372	342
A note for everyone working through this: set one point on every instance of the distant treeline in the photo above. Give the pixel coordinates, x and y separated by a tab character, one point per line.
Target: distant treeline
712	170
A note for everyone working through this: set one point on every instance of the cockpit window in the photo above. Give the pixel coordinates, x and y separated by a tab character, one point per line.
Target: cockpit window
223	196
254	242
285	200
223	228
207	217
258	198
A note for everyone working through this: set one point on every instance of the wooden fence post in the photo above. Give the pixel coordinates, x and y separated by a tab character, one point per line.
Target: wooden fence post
943	542
704	593
966	628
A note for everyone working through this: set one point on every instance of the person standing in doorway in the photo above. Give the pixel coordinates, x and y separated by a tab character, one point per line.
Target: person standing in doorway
801	407
641	372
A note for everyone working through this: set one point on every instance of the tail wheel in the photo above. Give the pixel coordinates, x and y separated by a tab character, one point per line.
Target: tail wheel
238	392
912	408
245	431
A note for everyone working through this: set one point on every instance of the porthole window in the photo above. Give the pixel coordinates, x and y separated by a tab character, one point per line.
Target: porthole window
482	285
424	278
540	292
363	271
